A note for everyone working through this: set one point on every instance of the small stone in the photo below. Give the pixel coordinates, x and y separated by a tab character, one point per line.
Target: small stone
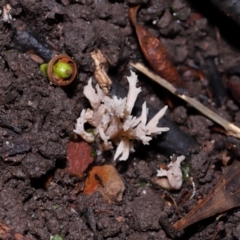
79	157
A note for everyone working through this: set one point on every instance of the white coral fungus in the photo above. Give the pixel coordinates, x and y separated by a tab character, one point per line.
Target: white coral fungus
113	121
173	173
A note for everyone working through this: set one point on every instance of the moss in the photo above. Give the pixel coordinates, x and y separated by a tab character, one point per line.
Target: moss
56	237
186	170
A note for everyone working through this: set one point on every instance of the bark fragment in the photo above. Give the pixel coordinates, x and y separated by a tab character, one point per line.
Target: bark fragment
101	67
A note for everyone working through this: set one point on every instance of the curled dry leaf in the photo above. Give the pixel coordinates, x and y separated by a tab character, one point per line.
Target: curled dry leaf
107	181
155	52
79	156
225	196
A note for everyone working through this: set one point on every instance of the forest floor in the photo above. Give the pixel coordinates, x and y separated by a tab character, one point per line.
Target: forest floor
38	198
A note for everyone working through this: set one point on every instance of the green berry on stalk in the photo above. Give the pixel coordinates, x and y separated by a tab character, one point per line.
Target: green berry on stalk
43	69
62	70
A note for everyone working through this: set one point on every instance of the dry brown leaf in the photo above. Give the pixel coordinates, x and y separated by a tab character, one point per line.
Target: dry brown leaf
155	52
107	181
225	196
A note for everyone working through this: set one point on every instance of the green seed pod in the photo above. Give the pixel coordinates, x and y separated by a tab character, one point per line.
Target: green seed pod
62	70
43	69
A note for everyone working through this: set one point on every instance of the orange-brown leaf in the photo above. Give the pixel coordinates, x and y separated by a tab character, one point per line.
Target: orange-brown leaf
107	181
79	156
155	52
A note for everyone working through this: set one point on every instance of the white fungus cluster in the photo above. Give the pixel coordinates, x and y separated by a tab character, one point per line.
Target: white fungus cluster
112	120
173	173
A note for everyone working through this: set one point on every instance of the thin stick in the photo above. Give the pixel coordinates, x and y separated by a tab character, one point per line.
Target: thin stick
230	128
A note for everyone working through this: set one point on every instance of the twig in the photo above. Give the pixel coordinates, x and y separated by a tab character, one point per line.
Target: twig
230	128
194	188
175	204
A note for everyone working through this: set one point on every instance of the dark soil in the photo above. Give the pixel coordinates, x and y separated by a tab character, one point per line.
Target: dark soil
37	197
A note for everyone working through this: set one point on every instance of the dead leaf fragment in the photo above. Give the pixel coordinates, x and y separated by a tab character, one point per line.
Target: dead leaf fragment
79	157
100	73
225	196
7	233
155	52
107	181
36	58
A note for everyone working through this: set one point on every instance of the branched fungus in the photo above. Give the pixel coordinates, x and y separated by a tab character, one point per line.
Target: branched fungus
173	173
112	120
